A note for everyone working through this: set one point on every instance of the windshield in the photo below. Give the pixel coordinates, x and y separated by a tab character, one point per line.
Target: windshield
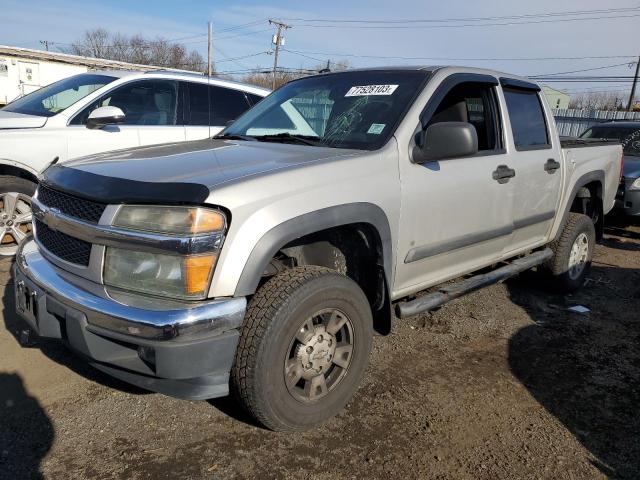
629	137
358	110
54	98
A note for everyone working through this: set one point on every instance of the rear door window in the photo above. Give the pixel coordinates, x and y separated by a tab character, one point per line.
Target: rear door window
198	112
528	124
227	104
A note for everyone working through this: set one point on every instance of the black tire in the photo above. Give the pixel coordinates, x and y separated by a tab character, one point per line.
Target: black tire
563	279
25	188
274	318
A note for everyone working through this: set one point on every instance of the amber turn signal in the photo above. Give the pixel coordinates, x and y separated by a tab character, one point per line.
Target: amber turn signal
197	271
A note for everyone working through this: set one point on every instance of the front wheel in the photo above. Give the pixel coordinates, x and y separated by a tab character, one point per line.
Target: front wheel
303	348
15	213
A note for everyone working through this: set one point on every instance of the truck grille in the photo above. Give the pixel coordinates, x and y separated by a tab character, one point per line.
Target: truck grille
62	245
70	205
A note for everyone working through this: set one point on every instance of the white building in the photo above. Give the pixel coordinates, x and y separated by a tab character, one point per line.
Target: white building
556	98
23	70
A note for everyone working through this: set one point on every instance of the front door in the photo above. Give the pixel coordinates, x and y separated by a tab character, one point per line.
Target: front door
456	213
152	115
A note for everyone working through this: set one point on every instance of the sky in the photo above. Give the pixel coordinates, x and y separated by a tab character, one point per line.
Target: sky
241	29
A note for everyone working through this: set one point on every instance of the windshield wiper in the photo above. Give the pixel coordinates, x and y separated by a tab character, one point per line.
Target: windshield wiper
289	138
233	136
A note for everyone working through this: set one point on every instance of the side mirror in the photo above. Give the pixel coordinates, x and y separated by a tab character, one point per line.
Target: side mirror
446	140
104	116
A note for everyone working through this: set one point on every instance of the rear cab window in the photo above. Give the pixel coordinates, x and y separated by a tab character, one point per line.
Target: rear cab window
526	115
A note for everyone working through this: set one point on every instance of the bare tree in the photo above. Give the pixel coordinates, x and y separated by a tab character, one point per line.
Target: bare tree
99	43
264	78
597	100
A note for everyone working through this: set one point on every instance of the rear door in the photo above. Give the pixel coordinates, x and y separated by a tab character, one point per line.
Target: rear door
537	161
456	216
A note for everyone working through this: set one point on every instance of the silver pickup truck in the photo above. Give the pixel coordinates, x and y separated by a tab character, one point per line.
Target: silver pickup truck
262	261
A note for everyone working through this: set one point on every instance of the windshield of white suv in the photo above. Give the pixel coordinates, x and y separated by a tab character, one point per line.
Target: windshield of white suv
358	109
54	98
629	137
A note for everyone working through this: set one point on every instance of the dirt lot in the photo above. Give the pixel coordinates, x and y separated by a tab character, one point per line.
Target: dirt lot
504	383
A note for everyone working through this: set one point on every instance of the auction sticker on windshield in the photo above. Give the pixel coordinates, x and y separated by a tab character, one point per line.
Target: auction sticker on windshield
376	128
363	90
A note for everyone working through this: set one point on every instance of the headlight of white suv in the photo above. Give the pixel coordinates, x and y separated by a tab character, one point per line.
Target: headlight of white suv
635	185
177	276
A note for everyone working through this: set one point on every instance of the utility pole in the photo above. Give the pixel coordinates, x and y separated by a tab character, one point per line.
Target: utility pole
210	51
278	40
633	87
45	44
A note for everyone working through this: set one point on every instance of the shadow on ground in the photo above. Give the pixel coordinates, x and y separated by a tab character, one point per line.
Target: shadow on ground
26	433
585	368
54	349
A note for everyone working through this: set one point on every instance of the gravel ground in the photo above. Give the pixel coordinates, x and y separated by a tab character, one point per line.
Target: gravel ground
504	383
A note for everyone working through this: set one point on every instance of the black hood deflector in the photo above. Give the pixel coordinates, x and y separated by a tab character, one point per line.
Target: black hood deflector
100	188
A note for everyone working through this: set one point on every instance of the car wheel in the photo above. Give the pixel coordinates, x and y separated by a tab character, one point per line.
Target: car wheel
15	213
303	348
573	252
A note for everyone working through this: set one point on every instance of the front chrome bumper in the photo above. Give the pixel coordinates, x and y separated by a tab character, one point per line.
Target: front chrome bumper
178	348
121	312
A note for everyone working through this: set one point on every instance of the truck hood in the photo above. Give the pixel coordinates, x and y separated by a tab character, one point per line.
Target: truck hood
180	172
631	166
20	120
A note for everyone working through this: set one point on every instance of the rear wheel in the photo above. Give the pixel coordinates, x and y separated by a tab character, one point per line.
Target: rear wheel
15	212
303	348
573	252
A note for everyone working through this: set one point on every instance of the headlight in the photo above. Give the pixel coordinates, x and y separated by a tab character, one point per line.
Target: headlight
635	185
170	220
177	276
156	274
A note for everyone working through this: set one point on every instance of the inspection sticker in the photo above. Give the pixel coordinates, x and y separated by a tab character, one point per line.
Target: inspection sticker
376	128
362	90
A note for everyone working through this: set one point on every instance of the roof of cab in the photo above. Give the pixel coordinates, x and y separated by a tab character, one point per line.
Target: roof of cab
431	69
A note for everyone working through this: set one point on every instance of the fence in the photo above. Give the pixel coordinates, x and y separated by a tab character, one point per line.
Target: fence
572	122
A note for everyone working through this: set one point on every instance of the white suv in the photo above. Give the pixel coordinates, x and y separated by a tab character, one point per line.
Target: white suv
101	111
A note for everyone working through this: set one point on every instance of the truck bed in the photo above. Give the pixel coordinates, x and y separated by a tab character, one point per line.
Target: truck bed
575	142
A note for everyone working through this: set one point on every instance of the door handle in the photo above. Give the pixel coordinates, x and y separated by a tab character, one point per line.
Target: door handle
502	174
551	166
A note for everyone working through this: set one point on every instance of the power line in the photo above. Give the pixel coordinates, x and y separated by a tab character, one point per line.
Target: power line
583	70
244	25
303	55
465	25
225	37
242	57
468	59
472	19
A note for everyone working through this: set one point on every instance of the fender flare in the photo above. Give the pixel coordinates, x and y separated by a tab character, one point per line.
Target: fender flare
12	163
284	233
596	175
